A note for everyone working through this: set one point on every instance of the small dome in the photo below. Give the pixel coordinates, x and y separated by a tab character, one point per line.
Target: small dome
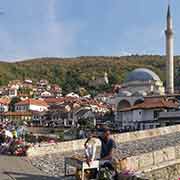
142	74
140	93
125	93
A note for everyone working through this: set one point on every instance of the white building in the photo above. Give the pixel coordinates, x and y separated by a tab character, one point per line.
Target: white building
13	92
31	105
46	94
73	95
139	83
144	115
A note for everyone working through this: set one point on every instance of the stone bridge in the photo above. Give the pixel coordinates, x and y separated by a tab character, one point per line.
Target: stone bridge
155	153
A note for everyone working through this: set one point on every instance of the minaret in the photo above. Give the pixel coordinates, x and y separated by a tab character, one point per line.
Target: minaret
169	54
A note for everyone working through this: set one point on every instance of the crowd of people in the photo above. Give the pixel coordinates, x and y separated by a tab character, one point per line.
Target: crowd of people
12	138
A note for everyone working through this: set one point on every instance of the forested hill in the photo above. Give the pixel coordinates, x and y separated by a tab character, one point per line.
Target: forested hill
72	73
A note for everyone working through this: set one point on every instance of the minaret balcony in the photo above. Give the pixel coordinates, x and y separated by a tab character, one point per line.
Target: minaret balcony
169	32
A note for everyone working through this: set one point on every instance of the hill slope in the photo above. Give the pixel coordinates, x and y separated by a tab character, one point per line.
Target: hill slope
72	73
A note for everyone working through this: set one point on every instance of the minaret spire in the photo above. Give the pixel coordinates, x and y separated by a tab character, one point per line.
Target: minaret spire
169	53
169	10
169	18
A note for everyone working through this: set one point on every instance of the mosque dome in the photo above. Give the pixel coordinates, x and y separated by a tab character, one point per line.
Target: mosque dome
142	74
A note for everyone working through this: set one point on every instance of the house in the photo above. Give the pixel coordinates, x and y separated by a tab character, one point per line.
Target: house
104	97
144	115
86	114
13	92
42	84
51	101
3	91
4	104
73	95
56	90
31	105
16	116
60	115
66	111
46	94
38	118
28	83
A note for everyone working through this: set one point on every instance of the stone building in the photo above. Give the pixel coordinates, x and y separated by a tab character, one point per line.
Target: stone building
142	83
139	83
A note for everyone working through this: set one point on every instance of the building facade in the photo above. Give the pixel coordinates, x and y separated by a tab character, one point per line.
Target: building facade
144	115
31	105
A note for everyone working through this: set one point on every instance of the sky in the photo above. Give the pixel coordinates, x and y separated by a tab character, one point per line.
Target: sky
69	28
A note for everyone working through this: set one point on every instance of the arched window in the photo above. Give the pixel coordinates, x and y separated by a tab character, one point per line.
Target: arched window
123	104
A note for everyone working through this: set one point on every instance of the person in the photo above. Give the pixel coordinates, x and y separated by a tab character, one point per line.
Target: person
90	151
107	145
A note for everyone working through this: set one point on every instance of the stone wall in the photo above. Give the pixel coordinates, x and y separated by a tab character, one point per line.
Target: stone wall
171	172
148	162
163	164
76	145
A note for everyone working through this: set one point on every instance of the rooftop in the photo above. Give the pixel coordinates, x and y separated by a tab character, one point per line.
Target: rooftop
37	102
153	104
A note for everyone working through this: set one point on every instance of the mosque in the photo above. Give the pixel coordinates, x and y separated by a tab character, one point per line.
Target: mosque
142	84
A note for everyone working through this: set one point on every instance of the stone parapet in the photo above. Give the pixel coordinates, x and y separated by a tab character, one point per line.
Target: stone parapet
70	146
138	135
154	160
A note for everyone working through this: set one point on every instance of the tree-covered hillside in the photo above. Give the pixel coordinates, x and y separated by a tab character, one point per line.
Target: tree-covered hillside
72	73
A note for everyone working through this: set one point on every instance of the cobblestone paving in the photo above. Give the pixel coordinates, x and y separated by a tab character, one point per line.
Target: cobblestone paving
19	168
54	164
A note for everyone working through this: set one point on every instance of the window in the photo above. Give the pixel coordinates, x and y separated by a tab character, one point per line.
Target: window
156	114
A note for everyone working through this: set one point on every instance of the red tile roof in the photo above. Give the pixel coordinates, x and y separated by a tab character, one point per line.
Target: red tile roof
152	104
5	101
37	102
53	100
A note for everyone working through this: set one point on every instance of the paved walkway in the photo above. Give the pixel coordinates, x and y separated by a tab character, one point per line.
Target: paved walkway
19	168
